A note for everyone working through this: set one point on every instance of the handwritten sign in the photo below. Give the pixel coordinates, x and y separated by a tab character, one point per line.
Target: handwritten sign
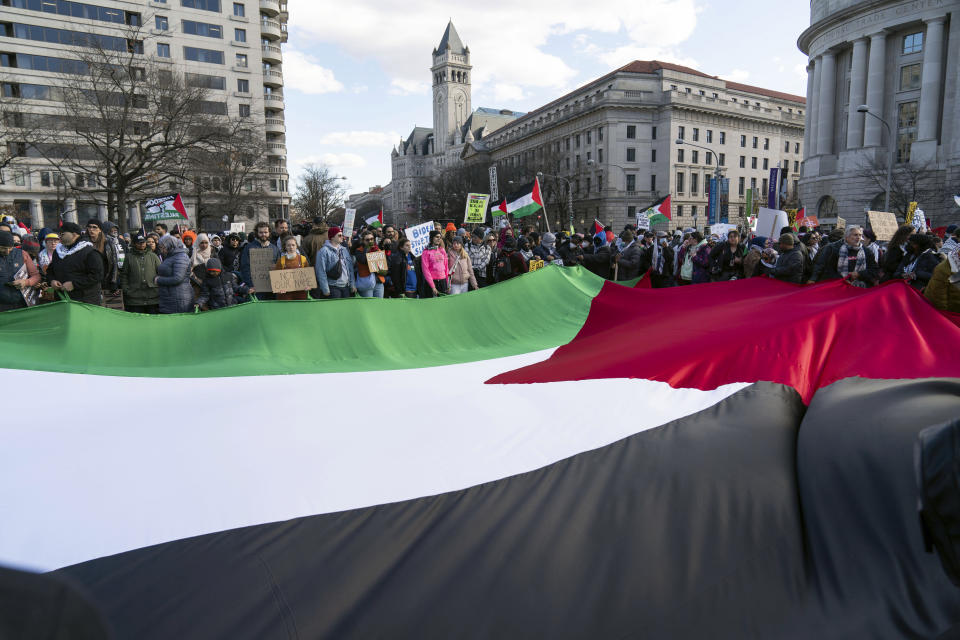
238	227
841	223
377	261
643	220
419	237
476	211
536	265
351	215
883	223
261	262
293	279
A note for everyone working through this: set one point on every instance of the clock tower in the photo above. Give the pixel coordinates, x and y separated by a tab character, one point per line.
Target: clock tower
451	90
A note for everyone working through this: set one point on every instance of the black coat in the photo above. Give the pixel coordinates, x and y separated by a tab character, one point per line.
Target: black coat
789	267
220	291
84	269
629	262
598	263
926	263
826	264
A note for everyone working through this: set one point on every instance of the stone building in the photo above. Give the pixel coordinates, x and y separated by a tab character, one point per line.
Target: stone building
900	59
231	47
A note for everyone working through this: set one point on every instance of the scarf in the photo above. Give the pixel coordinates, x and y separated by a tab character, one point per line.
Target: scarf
843	263
44	258
527	255
201	257
913	263
657	258
63	250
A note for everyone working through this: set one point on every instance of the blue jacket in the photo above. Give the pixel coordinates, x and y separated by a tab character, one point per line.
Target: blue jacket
173	277
326	260
245	259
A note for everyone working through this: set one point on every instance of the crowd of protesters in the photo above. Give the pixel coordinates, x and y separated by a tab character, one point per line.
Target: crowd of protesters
179	270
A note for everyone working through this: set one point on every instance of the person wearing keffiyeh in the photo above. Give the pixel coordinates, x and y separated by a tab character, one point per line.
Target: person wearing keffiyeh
847	259
944	287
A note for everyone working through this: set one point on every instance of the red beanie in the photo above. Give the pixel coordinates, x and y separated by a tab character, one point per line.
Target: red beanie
332	232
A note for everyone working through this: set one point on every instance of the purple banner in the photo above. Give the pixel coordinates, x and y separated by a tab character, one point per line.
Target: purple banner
713	201
772	191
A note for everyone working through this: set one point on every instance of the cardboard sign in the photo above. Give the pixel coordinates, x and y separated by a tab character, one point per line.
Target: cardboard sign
476	211
348	219
293	279
883	223
261	262
377	261
536	265
238	227
841	223
771	221
419	237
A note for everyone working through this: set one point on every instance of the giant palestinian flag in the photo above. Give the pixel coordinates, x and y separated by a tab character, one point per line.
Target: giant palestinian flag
552	457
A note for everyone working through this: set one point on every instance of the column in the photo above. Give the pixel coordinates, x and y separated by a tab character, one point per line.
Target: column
858	94
876	74
813	109
806	129
70	210
133	215
102	214
828	98
930	82
36	214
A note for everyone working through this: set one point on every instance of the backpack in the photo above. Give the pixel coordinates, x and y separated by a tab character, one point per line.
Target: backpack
936	457
504	265
334	272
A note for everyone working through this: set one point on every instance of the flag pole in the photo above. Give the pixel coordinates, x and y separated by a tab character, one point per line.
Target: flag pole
546	218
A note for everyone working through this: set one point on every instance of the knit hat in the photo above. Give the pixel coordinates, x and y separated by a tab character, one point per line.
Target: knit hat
30	244
95	222
333	231
951	229
548	238
461	232
787	240
70	227
451	227
478	232
214	264
188	234
6	239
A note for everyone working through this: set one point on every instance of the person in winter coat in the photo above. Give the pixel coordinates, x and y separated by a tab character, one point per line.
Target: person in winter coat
847	259
314	241
76	268
12	260
435	266
50	242
570	251
789	265
261	240
943	290
480	254
546	250
289	259
727	258
896	250
751	261
229	255
919	261
106	246
629	259
334	268
701	261
460	267
138	278
599	262
175	295
404	270
370	284
203	251
219	288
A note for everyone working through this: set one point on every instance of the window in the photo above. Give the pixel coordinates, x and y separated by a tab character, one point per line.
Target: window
753	162
741	186
753	183
70	38
696	134
709	136
589	137
600	156
587	185
694	183
755	140
743	162
567	160
162	23
786	146
240	35
796	166
693	210
202	29
743	141
681	131
653	155
205	5
766	164
912	43
20	178
163	50
764	186
576	142
631	212
722	159
723	137
204	81
76	10
243	85
708	158
796	147
679	210
653	133
589	156
679	182
910	76
679	155
631	131
906	129
631	182
566	144
44	178
632	155
766	144
740	209
695	157
197	54
578	160
242	60
239	10
600	134
653	182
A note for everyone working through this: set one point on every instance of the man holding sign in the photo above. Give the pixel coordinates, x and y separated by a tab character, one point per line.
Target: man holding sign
256	260
371	266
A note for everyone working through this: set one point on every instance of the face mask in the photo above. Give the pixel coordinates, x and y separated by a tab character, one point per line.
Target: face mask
291	256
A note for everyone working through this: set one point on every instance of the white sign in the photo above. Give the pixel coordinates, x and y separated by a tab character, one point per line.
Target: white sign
494	192
721	229
643	220
771	221
238	227
419	237
919	221
348	223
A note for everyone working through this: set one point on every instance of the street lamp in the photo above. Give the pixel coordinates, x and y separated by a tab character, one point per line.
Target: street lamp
866	109
541	174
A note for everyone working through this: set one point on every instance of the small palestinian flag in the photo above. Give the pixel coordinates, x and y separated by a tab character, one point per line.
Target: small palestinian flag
375	221
660	211
748	476
523	202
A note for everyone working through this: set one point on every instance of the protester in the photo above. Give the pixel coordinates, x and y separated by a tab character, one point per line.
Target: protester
261	241
50	242
174	295
76	268
219	288
525	250
952	240
229	254
434	266
896	250
480	254
314	240
847	259
289	259
461	269
203	251
789	265
334	268
751	261
571	252
138	278
106	246
281	228
18	272
943	290
152	241
189	239
918	262
599	261
369	283
160	229
629	258
403	270
700	259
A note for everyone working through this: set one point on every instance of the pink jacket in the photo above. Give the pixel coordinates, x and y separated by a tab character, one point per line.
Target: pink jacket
433	262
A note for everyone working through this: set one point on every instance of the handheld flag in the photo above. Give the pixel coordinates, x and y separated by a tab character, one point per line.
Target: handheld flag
660	211
526	201
375	221
165	208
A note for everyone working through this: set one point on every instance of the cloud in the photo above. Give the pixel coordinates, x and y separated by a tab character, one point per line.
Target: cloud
737	75
360	138
405	87
302	72
332	160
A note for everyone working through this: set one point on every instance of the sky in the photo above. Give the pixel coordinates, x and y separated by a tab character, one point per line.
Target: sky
357	72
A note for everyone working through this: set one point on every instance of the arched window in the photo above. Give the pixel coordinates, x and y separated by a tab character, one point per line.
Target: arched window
827	207
465	78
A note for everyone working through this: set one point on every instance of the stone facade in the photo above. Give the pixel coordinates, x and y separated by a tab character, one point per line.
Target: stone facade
900	59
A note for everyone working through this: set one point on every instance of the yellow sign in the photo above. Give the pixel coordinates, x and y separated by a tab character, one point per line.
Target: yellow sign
910	211
536	265
476	211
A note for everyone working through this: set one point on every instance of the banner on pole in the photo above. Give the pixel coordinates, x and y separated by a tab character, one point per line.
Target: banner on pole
165	208
749	209
494	191
724	200
419	237
772	190
476	211
713	200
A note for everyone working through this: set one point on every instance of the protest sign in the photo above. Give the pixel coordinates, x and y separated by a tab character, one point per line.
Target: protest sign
293	280
536	265
752	222
348	219
643	220
771	221
841	223
261	261
419	237
721	229
883	223
377	261
476	211
810	222
494	192
165	208
238	227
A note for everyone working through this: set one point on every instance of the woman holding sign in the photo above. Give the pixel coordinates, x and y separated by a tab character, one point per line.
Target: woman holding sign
291	259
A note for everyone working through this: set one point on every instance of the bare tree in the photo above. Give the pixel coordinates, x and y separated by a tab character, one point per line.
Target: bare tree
909	182
319	192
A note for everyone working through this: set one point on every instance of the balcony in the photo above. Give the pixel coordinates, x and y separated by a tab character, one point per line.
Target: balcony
271	29
276	149
272	78
276	125
273	101
272	53
270	7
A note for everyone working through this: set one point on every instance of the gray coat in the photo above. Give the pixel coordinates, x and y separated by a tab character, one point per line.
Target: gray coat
175	292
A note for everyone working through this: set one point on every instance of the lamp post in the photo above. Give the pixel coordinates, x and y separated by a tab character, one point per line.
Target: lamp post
541	174
890	141
717	173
